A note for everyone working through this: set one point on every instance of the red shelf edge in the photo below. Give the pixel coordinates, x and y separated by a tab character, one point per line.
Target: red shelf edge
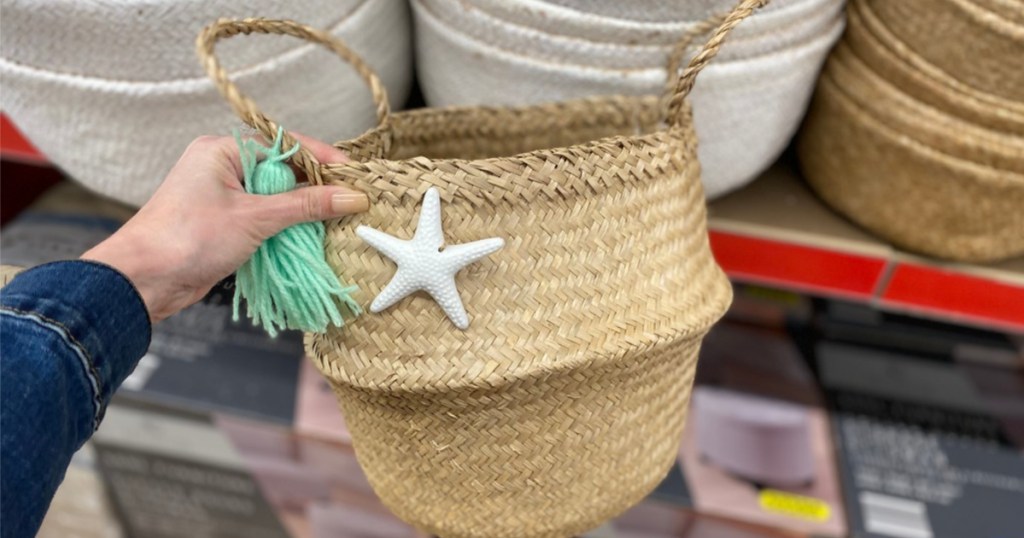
808	268
908	287
922	288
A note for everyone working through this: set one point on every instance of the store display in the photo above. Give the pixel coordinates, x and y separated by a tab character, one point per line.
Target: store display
333	520
909	139
586	324
536	268
317	415
314	486
746	106
842	321
110	92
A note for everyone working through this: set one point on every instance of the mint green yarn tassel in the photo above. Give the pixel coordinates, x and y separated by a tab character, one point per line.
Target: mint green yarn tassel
287	284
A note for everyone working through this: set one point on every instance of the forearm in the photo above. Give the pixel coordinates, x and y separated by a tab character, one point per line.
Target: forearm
71	333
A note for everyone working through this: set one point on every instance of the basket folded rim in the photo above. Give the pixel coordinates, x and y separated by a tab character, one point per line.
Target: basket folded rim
878	208
368	175
879	126
931	127
869	36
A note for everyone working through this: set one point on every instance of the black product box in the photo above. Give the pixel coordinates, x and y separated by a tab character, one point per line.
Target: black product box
862	324
923	454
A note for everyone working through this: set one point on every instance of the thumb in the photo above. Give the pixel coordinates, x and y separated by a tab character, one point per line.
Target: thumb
279	211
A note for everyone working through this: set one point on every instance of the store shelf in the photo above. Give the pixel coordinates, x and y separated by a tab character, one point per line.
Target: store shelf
775	232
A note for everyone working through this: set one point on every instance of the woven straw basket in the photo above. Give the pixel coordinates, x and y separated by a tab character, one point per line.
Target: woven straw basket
911	152
962	37
564	401
871	39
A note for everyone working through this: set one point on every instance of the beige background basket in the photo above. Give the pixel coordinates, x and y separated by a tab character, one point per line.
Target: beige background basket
909	142
870	38
962	38
911	193
564	402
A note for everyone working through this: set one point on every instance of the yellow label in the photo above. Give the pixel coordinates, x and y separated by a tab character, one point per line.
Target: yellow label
789	504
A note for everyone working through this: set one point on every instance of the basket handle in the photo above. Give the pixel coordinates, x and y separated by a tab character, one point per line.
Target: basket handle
678	88
247	110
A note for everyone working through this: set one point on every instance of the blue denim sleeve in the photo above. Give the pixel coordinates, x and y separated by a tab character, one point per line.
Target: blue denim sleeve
70	332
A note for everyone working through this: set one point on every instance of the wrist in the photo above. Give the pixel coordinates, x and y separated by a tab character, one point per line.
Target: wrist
143	270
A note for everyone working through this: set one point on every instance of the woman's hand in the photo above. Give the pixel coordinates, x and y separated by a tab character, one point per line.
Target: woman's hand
201	225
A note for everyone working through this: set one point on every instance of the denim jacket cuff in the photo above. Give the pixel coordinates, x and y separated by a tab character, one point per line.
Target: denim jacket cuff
97	306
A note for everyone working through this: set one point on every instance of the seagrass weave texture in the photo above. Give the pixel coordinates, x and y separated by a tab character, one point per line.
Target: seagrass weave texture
563	403
908	139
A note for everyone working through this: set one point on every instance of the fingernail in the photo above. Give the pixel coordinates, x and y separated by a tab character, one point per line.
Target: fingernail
347	203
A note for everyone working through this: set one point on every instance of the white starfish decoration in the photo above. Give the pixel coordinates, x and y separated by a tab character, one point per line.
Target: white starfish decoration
424	263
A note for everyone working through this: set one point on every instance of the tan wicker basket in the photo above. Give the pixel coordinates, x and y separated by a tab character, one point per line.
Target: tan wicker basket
915	153
563	402
887	54
918	197
963	38
931	126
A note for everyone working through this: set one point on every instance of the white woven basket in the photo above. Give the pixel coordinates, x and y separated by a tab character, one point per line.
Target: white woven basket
557	20
650	10
775	33
745	111
120	138
144	40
